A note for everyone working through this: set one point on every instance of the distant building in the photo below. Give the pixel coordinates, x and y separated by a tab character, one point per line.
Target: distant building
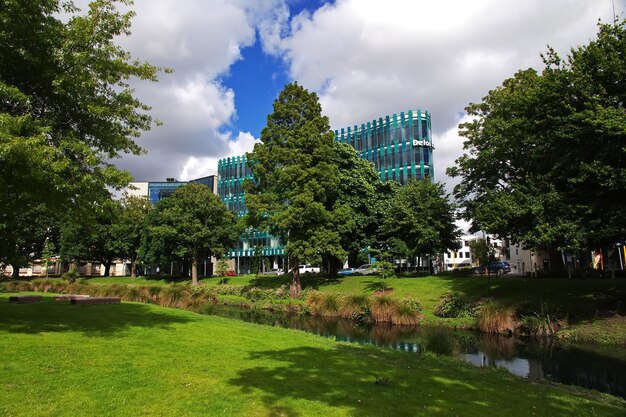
400	147
155	191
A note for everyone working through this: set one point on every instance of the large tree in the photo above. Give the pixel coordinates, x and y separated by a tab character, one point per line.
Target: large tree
294	179
420	219
545	159
364	199
192	224
66	109
92	236
129	229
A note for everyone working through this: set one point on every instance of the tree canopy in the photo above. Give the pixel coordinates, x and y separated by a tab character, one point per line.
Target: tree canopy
545	160
191	224
66	109
420	220
294	180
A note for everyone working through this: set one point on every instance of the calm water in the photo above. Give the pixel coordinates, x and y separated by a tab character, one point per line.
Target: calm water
570	364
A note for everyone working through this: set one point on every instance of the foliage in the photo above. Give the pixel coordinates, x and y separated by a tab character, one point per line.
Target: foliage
421	217
128	230
71	276
294	180
455	305
193	224
496	318
92	236
222	267
545	158
66	109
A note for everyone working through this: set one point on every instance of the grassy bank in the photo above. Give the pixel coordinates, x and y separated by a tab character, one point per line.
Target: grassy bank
140	359
591	310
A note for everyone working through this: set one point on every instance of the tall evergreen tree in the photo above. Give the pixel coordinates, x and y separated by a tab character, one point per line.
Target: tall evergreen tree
294	180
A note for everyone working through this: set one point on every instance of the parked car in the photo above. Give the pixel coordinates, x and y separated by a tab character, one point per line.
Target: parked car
275	271
365	270
231	274
498	268
346	271
308	269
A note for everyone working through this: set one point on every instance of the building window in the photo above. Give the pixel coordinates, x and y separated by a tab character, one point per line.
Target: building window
467	255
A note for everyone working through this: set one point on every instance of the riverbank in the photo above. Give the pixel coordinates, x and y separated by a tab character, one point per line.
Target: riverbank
578	309
141	359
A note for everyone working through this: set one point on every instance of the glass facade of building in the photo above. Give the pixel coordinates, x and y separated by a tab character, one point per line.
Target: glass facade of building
400	147
232	172
157	191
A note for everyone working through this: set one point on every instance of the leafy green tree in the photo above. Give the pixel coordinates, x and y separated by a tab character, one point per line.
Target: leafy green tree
92	236
129	229
295	179
193	224
485	254
545	159
361	198
422	219
49	250
66	109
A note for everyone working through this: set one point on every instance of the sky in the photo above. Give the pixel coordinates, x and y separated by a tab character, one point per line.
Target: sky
364	58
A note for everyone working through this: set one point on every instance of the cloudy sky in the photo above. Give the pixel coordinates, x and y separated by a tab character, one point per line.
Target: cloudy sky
364	58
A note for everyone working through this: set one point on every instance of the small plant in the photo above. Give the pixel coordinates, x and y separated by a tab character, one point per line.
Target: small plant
314	302
383	307
330	304
407	313
71	276
172	295
357	307
455	305
496	318
222	269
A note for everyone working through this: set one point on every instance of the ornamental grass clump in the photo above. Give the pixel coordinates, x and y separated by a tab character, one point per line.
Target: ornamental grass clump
383	308
496	318
313	301
173	295
356	307
330	304
407	312
17	286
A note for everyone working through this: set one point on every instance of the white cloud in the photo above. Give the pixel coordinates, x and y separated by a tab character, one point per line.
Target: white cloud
368	59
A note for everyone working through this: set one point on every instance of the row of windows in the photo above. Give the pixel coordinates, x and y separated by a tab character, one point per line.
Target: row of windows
458	255
394	130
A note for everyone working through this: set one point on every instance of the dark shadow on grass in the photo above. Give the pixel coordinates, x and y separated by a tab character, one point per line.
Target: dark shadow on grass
308	281
379	286
97	320
578	300
369	382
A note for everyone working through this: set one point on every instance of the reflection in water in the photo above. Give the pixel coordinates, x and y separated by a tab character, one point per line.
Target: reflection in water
523	357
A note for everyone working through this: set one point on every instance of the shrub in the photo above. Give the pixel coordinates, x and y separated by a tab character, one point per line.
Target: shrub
407	312
172	295
314	301
383	307
71	276
330	304
455	305
17	286
3	287
356	307
496	318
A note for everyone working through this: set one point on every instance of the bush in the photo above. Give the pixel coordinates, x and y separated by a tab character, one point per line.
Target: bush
496	318
173	295
356	307
383	307
71	276
407	312
455	305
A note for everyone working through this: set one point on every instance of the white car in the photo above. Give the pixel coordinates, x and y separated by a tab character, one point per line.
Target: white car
275	271
308	269
365	270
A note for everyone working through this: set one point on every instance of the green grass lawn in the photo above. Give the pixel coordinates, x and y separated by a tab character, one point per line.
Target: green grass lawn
138	359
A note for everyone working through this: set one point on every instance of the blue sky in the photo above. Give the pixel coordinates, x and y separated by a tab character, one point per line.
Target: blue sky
364	58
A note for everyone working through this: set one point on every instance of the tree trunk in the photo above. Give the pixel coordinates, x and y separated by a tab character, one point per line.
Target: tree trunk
107	268
133	267
16	271
295	287
194	269
333	267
